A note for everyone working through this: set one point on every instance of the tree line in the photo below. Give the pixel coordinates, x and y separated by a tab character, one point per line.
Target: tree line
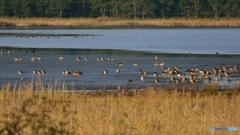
121	8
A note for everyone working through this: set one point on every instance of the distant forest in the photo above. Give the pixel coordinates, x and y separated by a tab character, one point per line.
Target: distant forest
121	8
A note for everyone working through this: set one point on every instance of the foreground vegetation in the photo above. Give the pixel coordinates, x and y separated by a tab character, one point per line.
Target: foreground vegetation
114	22
52	110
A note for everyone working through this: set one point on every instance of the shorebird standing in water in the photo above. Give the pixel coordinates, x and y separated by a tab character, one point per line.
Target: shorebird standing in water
120	64
161	64
110	59
118	70
32	58
17	59
140	71
144	73
20	72
78	59
77	73
35	72
41	72
129	81
156	80
102	59
98	59
105	72
156	57
39	58
61	57
66	72
142	78
155	74
136	63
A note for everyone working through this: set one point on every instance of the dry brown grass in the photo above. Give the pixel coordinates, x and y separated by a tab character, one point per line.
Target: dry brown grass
149	112
114	22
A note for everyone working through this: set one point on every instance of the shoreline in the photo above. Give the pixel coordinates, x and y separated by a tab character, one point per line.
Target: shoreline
114	27
109	23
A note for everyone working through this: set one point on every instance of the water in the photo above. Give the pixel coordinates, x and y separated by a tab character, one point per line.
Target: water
182	47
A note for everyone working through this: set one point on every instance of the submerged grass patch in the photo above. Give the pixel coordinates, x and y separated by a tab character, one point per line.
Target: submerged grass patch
151	111
112	22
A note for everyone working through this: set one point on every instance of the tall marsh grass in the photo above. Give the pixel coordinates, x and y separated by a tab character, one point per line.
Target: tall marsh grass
149	112
112	22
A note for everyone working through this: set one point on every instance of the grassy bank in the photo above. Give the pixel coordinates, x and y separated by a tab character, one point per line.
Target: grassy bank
152	111
115	22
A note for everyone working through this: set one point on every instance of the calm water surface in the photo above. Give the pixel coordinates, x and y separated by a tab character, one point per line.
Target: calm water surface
129	45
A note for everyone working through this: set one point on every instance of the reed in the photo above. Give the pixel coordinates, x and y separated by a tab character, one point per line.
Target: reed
51	110
115	22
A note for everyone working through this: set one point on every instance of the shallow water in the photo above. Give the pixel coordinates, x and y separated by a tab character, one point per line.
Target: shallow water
128	45
161	40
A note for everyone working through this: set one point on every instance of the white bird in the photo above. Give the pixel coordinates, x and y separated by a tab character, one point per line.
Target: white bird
39	58
61	57
121	64
136	63
33	58
18	59
105	72
102	59
161	64
98	59
78	59
142	78
34	72
156	80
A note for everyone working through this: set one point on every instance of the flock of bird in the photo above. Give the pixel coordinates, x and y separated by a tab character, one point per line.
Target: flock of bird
17	35
170	74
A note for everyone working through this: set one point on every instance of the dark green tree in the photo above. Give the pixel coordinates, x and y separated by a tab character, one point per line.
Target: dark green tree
147	8
216	7
56	8
115	7
40	7
131	8
231	8
14	7
4	8
100	7
164	7
196	7
26	8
